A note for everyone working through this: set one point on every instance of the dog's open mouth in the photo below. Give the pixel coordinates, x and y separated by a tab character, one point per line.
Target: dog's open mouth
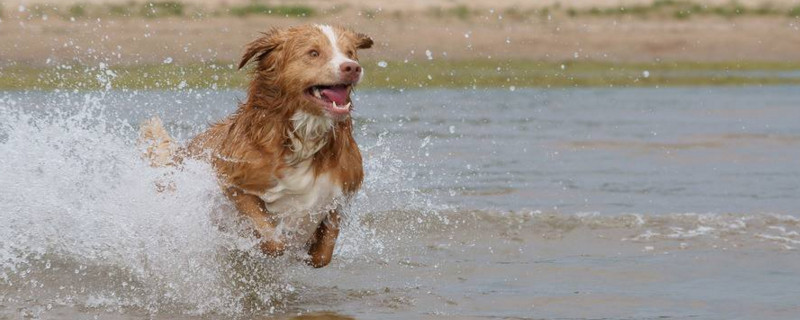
332	98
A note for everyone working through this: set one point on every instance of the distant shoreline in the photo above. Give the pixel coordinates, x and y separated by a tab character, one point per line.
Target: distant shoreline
419	5
400	75
465	10
39	40
457	45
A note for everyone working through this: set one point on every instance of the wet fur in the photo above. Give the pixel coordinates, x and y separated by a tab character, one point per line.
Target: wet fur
275	131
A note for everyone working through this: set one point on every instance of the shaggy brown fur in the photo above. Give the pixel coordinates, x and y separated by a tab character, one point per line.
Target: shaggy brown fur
253	148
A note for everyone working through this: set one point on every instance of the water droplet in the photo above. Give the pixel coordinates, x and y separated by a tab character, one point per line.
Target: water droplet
168	60
429	54
425	142
383	64
646	74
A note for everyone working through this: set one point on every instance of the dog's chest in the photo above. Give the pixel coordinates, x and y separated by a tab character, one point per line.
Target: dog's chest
301	199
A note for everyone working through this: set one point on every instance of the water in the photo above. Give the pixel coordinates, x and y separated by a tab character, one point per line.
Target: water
563	203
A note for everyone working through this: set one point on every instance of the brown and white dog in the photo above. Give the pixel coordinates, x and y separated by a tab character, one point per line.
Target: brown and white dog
287	158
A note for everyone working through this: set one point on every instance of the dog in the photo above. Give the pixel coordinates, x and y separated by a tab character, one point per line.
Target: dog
286	158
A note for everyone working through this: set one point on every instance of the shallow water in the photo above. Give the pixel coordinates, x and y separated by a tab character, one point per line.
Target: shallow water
563	203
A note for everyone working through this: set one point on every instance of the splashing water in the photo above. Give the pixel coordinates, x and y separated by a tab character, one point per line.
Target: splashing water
84	224
464	209
78	196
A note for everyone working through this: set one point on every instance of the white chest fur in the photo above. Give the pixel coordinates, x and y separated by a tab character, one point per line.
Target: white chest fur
301	200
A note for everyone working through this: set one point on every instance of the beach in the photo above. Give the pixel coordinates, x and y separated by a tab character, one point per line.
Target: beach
41	39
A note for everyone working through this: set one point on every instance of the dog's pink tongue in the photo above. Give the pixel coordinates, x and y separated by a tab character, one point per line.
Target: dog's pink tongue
336	94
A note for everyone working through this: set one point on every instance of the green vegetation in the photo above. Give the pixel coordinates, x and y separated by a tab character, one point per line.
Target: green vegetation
418	74
256	8
682	9
461	12
572	12
795	12
77	10
162	9
120	10
682	14
677	9
665	9
151	9
505	74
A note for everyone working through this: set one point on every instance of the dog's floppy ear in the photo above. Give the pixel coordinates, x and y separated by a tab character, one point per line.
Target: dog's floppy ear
263	45
363	41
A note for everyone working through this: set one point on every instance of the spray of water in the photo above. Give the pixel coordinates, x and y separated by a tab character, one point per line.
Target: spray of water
83	223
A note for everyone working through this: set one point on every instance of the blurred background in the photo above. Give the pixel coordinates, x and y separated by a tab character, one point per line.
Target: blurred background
491	43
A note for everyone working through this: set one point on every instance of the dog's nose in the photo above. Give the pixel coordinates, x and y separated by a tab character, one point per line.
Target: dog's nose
350	70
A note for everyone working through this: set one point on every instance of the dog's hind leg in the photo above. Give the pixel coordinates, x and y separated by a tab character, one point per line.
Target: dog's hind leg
321	250
255	209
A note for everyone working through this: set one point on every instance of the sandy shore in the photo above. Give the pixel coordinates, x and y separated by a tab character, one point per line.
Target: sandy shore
136	41
34	35
423	4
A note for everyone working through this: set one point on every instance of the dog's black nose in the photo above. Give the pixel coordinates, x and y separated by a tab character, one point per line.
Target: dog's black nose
350	70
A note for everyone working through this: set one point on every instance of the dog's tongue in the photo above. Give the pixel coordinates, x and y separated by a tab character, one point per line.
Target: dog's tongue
336	94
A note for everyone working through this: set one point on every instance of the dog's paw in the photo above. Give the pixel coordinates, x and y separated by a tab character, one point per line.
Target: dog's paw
318	260
272	247
270	242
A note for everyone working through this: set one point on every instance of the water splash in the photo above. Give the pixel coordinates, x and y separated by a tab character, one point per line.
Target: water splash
84	224
76	194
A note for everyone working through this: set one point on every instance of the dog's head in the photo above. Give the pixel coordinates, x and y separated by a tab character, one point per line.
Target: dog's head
316	65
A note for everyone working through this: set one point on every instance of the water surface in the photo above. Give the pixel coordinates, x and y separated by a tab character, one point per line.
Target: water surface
524	204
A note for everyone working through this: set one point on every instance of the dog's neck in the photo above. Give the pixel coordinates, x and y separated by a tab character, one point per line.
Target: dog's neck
308	134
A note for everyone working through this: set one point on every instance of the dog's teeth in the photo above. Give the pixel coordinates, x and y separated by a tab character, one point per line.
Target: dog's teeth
334	105
316	92
348	105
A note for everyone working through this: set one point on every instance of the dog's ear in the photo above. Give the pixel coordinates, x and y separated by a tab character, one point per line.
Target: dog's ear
262	46
363	41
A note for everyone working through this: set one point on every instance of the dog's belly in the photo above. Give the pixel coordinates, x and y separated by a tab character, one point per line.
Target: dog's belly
300	201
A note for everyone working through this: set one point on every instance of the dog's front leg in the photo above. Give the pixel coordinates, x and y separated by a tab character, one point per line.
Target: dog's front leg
255	209
324	241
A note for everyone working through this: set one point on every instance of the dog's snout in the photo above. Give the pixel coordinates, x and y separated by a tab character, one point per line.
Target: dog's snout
350	70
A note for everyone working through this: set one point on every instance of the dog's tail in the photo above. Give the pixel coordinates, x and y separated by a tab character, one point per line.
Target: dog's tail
159	148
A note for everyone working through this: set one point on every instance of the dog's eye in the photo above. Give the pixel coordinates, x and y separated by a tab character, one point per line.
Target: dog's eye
313	53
